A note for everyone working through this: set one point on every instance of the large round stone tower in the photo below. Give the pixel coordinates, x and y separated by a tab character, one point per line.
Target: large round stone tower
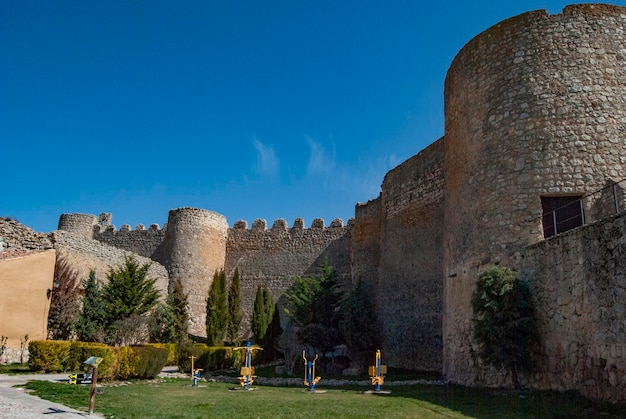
535	109
195	245
81	225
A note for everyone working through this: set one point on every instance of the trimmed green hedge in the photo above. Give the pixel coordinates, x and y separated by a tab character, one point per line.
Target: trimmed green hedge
141	361
211	358
124	363
107	370
172	351
49	355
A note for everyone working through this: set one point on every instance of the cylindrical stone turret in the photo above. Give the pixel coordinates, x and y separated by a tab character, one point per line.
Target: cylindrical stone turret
79	224
535	108
195	245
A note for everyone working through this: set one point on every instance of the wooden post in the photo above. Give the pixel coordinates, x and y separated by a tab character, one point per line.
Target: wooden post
192	358
92	397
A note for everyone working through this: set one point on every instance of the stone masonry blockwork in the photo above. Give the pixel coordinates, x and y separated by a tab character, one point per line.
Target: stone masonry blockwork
535	107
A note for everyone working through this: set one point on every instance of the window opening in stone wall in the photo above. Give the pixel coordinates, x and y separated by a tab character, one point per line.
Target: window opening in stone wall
561	213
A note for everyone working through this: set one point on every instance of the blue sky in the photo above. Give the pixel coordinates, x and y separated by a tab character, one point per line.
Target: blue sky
253	109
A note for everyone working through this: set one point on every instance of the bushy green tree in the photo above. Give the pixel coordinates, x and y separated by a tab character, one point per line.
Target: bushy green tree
503	320
91	326
313	304
300	300
129	291
234	308
217	310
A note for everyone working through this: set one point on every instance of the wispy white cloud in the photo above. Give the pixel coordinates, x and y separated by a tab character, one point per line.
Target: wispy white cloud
322	162
361	177
357	179
371	176
267	163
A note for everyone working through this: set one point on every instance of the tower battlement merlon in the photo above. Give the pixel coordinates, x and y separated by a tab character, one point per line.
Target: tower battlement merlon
126	228
280	224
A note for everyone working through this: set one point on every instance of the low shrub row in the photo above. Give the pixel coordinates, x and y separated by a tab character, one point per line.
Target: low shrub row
210	358
145	361
172	351
123	363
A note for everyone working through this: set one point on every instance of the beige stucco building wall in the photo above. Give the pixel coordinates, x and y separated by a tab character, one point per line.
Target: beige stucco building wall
24	304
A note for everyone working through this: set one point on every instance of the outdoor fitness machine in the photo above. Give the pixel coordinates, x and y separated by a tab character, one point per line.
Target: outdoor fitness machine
80	378
247	371
309	373
195	372
377	373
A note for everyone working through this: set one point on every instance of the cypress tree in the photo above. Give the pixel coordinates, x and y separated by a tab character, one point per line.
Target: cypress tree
274	330
259	317
169	322
177	302
217	310
234	307
268	306
90	326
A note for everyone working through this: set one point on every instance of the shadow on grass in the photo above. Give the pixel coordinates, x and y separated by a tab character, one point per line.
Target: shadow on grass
502	404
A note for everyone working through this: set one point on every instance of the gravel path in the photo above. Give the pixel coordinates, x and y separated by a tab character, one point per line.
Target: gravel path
16	403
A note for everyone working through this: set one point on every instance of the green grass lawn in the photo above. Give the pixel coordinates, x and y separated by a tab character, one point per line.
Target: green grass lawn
176	398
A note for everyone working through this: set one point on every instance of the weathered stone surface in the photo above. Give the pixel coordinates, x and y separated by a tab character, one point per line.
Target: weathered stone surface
534	107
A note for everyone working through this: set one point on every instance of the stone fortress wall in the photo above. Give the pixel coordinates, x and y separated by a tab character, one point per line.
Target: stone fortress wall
578	284
274	257
195	243
535	107
397	252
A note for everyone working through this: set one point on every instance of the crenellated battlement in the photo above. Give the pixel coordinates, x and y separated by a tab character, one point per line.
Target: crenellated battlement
144	240
281	224
126	228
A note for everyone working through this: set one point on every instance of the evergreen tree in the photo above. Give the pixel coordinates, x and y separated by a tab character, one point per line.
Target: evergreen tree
260	320
274	331
313	305
90	326
177	302
234	308
300	300
268	306
217	310
129	291
169	322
